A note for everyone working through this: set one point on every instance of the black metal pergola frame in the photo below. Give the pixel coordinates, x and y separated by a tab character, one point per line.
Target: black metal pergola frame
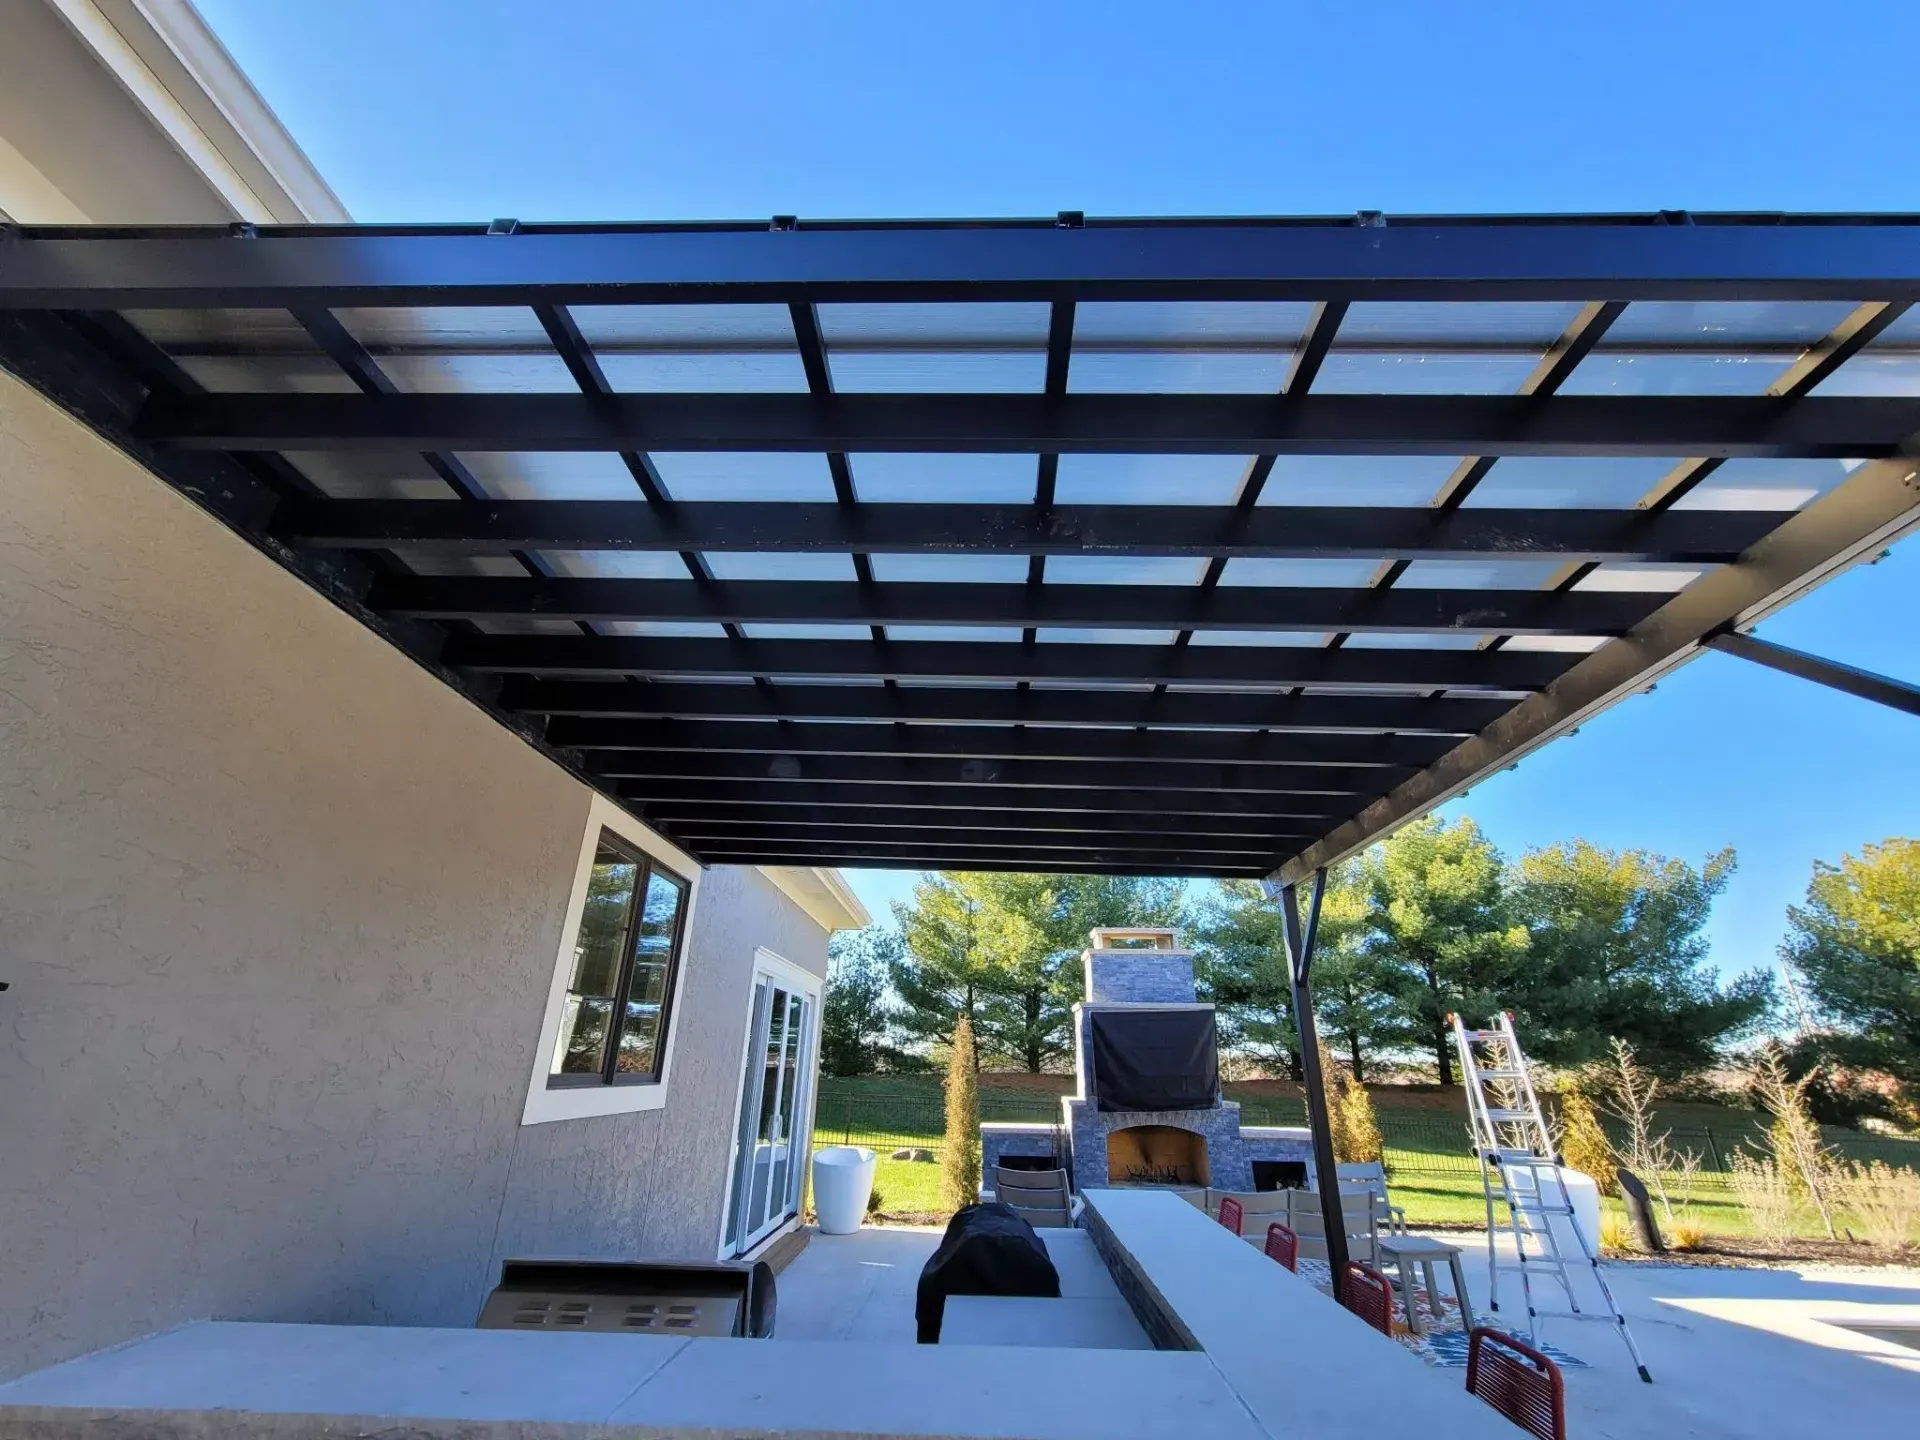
870	748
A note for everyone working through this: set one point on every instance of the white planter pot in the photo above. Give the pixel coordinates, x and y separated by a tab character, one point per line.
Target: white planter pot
1583	1195
842	1181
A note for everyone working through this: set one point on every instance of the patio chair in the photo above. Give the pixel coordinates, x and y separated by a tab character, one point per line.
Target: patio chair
1357	1211
1518	1381
1364	1291
1373	1175
1257	1208
1283	1245
1042	1198
1231	1215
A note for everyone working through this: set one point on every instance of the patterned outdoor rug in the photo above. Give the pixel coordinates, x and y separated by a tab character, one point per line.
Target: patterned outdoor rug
1444	1342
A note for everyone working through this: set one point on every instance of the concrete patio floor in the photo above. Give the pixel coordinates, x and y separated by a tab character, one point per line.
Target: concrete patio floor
1734	1353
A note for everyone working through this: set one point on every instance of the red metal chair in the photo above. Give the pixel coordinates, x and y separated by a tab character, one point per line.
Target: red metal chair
1231	1214
1365	1291
1283	1245
1518	1381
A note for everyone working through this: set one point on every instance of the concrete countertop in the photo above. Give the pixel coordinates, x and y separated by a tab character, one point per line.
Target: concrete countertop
1304	1366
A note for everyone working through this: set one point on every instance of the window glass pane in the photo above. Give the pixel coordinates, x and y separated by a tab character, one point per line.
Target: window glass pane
604	920
1150	479
643	1026
1008	479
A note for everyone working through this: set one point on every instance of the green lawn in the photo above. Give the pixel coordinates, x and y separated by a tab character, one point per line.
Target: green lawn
1433	1174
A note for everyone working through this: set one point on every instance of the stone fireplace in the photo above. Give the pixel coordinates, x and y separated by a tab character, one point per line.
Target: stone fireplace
1156	1155
1141	1012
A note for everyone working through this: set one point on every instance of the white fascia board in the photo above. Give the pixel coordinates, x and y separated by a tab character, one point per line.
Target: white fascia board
822	892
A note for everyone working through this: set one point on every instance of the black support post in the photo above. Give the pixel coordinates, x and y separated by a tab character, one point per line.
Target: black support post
1882	689
1326	1168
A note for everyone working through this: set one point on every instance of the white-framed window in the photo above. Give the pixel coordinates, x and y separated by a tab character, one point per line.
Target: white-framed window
606	1040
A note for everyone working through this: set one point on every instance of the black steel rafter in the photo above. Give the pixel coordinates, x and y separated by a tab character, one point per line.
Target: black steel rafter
773	819
1881	689
825	794
1720	426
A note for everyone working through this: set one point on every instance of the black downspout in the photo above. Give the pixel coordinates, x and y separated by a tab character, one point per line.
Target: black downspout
1326	1168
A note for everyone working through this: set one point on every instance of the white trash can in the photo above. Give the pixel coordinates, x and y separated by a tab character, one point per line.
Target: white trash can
842	1181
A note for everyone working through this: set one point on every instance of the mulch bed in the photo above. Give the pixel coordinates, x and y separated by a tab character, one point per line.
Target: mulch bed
1749	1252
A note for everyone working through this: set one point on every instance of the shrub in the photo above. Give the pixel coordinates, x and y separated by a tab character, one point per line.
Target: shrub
960	1154
1687	1235
1358	1128
1765	1193
1615	1233
875	1199
1802	1158
1583	1144
1884	1201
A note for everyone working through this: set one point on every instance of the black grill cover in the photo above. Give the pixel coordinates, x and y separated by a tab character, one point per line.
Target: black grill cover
1155	1060
987	1250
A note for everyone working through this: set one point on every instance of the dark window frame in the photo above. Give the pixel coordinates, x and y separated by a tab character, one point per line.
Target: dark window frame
646	867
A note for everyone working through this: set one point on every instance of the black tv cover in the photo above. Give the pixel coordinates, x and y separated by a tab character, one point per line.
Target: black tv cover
1155	1060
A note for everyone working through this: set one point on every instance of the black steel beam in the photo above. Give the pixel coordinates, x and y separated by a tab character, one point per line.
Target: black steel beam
1287	810
900	602
1250	850
1250	667
1721	427
1171	864
1622	257
1300	946
1283	749
747	820
1867	684
1692	536
1360	714
1341	782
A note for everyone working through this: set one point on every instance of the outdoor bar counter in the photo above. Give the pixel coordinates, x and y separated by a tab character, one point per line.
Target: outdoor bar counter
1274	1358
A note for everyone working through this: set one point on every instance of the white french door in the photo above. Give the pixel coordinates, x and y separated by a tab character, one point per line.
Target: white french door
776	1104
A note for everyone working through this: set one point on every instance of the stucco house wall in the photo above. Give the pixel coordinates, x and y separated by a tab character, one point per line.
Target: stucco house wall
280	913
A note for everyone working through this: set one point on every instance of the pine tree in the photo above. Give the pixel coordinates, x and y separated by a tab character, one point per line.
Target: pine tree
960	1153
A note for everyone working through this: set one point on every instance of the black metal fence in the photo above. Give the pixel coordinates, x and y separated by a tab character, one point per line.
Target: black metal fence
1417	1145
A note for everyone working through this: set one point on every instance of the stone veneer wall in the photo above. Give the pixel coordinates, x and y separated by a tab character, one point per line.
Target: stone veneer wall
1153	977
1219	1126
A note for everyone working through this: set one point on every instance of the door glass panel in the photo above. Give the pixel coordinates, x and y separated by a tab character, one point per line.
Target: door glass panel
789	1087
749	1128
582	1047
640	1032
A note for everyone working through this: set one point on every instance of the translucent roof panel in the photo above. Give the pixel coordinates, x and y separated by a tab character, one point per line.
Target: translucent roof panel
1412	640
1007	372
1405	480
706	371
253	330
1477	574
1378	372
451	327
1338	574
962	569
1125	569
552	475
1062	635
1725	323
1606	372
1150	479
1008	479
995	324
778	565
521	372
370	475
1640	578
769	630
524	625
1890	366
1572	644
612	329
1129	685
616	564
743	475
1455	324
1526	482
268	374
1180	372
1293	639
439	562
1192	324
677	629
989	633
1766	484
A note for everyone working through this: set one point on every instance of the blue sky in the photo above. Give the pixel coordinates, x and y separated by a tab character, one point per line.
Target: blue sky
573	111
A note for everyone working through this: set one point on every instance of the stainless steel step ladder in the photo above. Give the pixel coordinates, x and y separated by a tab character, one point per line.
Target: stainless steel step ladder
1519	1169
